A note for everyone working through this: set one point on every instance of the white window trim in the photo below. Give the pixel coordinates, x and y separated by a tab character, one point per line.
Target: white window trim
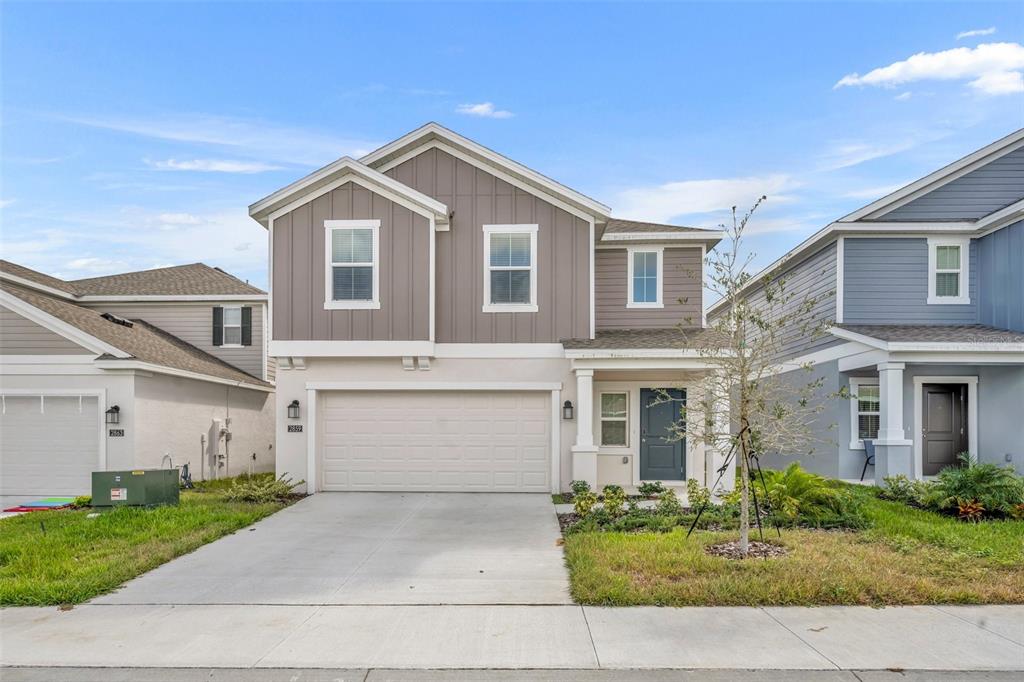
660	250
965	274
530	307
224	326
856	443
601	419
329	227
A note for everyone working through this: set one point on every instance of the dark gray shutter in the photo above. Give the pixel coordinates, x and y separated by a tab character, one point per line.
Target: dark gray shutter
246	325
218	326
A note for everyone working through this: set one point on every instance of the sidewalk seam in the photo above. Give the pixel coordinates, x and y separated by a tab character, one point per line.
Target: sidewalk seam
270	649
806	643
980	627
590	633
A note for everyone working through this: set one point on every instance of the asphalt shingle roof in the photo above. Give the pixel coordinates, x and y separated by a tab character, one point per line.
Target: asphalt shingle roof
622	225
38	277
938	333
142	341
612	339
196	279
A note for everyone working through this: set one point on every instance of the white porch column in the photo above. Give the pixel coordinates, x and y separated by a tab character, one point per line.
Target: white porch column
892	449
714	456
584	452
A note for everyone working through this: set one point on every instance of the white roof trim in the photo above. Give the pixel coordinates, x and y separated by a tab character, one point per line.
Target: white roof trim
36	285
177	298
945	175
59	326
580	353
431	130
262	209
138	365
707	236
926	346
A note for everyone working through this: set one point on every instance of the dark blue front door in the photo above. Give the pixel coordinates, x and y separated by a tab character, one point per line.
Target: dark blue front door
662	453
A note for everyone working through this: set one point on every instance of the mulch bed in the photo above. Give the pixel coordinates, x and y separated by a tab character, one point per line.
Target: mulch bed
758	550
566	520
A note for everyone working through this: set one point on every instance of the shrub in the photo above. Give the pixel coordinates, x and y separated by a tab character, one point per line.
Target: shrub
614	499
668	504
82	501
651	489
261	490
583	503
997	489
697	495
797	496
901	489
970	510
579	487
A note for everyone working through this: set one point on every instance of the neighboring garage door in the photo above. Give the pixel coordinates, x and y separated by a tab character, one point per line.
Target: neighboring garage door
435	441
48	449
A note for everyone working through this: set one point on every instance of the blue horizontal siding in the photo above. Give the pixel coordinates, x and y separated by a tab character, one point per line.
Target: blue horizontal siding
1001	278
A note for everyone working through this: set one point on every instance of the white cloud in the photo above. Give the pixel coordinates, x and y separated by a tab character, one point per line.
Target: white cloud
692	197
484	109
974	33
95	265
844	154
4	203
211	165
903	96
990	68
872	193
259	139
179	219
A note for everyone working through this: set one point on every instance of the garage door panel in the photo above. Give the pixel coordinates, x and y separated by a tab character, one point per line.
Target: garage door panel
51	448
440	440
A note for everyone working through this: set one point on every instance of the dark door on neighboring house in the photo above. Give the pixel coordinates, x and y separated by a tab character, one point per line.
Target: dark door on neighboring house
662	454
944	433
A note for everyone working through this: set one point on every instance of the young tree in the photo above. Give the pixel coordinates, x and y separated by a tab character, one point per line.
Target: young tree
768	410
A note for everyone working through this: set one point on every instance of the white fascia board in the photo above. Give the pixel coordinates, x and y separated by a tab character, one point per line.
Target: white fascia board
499	350
136	365
709	236
960	357
300	191
350	349
625	363
29	284
579	353
943	176
433	386
213	298
952	347
60	327
839	352
847	335
432	131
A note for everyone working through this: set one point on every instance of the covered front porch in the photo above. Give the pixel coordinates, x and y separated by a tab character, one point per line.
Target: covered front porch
632	406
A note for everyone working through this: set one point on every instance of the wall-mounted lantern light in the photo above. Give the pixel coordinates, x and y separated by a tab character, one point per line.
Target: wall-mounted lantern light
567	409
114	415
293	409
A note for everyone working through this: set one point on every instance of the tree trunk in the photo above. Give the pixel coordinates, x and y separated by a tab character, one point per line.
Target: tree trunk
744	497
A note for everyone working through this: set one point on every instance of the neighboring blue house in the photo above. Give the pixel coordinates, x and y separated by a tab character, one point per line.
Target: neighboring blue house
925	292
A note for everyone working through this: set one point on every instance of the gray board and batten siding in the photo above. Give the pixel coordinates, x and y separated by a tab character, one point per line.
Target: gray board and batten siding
995	185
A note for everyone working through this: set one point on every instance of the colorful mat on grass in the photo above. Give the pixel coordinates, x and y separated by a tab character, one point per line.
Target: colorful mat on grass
43	504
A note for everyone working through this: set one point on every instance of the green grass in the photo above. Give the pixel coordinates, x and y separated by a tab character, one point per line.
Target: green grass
63	557
561	498
906	556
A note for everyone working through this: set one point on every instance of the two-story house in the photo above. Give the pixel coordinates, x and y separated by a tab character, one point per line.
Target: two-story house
924	289
137	370
444	318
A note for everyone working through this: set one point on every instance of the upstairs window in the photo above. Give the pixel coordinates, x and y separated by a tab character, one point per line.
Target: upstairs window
351	251
232	326
948	270
644	278
510	268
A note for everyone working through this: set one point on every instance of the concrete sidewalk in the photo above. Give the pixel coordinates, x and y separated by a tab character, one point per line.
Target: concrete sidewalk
515	637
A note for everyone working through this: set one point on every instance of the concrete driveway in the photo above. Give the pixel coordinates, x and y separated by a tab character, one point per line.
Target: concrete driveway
375	548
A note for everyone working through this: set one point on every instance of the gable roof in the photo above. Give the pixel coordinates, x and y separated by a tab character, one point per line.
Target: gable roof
333	174
411	143
118	343
195	279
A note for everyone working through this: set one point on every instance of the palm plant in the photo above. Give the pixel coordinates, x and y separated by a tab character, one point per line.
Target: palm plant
996	489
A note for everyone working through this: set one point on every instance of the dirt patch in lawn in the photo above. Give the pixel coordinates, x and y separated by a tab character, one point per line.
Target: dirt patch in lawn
756	550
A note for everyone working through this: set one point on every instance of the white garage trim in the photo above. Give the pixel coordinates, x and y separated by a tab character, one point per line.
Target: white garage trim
99	393
313	483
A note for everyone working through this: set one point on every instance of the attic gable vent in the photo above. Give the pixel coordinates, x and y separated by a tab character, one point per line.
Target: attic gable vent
117	320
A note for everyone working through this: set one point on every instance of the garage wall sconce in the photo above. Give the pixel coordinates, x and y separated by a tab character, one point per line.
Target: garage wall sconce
114	415
293	409
567	410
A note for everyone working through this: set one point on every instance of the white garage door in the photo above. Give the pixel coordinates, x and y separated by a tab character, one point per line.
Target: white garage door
50	449
436	441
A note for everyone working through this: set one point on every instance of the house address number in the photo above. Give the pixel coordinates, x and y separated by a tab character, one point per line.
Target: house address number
295	428
116	433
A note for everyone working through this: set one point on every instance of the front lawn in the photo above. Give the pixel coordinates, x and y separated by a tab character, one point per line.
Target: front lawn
903	556
64	557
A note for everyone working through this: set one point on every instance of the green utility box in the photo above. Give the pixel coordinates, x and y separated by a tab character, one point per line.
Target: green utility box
136	488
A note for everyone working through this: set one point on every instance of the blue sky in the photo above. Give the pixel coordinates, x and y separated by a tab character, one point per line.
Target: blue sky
134	135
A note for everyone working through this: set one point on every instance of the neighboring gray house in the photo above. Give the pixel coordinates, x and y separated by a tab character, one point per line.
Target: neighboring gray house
925	291
179	354
437	310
